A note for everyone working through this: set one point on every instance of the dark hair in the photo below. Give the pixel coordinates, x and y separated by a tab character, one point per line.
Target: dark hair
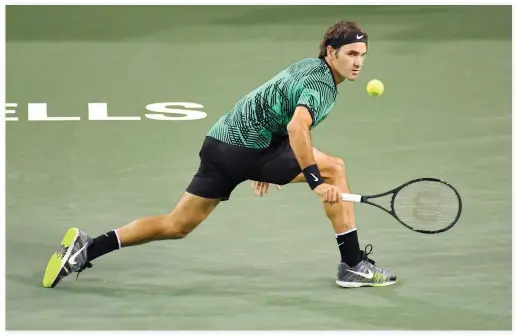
339	31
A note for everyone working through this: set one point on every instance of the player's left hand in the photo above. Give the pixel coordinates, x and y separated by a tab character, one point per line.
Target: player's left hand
262	188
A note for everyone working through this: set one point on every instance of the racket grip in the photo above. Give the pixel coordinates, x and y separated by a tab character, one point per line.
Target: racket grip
351	198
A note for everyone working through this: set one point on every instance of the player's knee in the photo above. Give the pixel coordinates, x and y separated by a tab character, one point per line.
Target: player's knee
337	168
180	228
178	233
340	167
176	230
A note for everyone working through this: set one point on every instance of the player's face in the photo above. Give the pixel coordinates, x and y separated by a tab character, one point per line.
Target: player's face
348	60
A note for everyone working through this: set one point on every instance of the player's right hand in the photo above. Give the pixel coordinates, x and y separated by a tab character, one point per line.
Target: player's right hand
328	193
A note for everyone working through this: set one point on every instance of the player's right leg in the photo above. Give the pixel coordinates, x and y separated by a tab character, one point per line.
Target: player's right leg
77	249
212	183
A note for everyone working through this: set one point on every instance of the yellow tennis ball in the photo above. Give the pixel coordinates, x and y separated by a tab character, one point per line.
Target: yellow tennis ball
375	88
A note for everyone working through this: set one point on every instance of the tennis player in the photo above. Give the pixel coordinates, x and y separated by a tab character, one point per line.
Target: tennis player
265	138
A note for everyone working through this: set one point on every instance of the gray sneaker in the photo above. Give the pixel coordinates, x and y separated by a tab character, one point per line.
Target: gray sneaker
364	274
71	257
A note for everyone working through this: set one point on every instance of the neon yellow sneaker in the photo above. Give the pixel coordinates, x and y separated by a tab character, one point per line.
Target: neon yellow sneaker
71	257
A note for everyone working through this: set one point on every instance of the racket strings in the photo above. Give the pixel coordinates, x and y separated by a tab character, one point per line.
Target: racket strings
427	205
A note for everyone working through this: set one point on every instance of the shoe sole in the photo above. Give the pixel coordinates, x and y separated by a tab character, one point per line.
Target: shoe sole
364	284
54	271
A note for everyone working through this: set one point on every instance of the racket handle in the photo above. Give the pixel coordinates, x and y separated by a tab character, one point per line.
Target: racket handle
352	198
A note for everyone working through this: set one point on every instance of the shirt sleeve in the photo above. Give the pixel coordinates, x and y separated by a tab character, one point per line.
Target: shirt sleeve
317	97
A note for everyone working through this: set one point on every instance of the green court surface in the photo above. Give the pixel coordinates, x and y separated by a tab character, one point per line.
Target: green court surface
256	263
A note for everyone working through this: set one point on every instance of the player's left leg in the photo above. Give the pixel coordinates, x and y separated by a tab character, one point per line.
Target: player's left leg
333	170
355	269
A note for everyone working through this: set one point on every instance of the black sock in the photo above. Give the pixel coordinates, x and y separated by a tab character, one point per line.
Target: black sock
349	247
108	242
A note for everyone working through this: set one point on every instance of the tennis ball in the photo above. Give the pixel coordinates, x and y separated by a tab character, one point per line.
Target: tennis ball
375	88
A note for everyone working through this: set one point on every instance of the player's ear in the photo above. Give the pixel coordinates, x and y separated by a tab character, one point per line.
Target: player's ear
333	52
329	51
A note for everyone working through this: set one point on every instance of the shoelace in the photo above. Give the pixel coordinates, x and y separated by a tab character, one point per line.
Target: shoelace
366	253
87	265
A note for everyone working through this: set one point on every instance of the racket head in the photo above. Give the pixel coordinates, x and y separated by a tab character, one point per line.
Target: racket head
427	205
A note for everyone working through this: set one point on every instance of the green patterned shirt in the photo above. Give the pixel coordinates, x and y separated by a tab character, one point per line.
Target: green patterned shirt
263	114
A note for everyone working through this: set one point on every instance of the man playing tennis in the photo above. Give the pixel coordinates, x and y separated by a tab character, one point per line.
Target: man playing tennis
265	138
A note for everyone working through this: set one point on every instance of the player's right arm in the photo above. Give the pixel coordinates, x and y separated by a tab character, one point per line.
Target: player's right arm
301	143
299	134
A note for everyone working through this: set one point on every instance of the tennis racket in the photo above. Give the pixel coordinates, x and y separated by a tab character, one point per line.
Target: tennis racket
425	205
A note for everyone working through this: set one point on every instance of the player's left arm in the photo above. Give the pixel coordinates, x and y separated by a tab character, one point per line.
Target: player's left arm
261	188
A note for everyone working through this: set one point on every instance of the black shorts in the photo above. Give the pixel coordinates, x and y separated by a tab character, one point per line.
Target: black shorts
224	166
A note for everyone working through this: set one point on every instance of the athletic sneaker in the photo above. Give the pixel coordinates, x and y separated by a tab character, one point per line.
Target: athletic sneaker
364	274
71	257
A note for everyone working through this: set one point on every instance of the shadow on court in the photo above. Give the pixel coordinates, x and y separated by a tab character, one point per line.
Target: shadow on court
404	311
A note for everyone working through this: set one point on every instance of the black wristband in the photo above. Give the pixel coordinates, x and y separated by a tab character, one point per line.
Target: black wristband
313	176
